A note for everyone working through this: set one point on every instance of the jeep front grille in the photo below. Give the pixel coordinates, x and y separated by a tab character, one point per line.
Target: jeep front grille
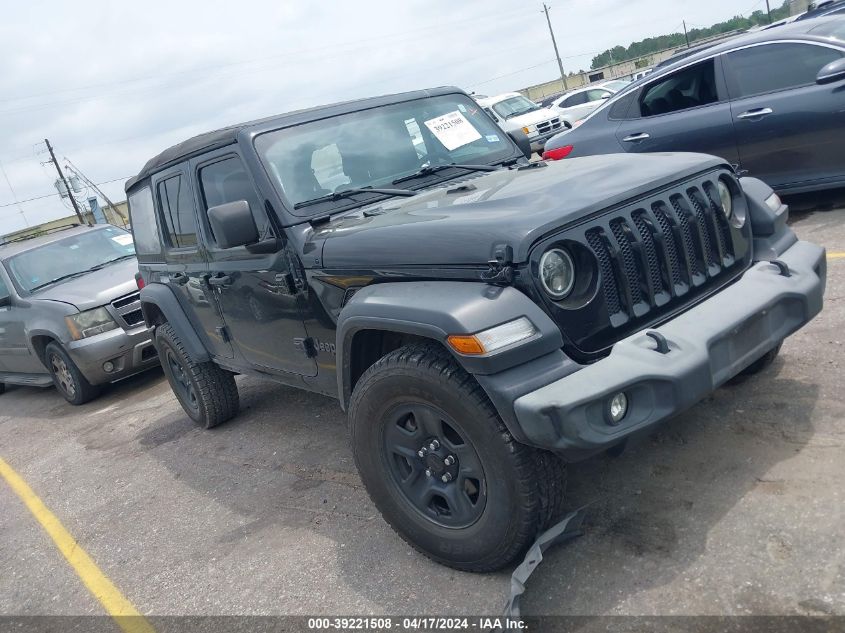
653	257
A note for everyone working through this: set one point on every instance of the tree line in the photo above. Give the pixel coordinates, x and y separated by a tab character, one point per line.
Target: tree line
674	40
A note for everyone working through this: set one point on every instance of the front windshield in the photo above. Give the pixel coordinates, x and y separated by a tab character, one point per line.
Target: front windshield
514	106
70	257
375	147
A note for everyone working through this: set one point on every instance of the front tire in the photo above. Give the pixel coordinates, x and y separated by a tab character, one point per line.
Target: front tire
67	378
442	468
207	393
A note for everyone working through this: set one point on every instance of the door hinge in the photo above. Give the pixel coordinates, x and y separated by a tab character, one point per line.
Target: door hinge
223	333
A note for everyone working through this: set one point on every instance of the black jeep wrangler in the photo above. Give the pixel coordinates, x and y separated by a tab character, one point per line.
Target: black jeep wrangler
481	318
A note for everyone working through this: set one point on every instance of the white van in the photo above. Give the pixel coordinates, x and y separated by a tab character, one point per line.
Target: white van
513	111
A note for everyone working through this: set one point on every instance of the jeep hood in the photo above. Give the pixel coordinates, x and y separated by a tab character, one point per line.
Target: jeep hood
461	222
94	289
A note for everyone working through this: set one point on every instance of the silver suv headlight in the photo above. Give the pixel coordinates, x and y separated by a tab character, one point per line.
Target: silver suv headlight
90	323
557	273
725	198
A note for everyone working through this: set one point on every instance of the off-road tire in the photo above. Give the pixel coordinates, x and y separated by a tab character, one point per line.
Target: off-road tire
525	486
216	393
67	378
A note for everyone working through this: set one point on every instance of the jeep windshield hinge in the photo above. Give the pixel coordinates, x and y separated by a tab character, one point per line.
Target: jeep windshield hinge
500	271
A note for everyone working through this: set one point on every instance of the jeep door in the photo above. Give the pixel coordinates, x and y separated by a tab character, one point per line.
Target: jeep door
187	264
684	111
257	294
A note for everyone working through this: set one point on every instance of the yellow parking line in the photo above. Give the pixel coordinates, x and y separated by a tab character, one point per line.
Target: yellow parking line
835	255
125	615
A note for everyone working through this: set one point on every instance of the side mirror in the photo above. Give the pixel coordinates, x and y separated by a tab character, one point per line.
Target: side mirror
834	71
232	224
521	139
605	97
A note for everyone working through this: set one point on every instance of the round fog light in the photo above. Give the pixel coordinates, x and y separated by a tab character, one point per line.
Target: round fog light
618	408
108	367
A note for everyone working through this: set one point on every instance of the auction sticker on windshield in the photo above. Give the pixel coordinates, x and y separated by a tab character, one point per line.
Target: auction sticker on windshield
453	130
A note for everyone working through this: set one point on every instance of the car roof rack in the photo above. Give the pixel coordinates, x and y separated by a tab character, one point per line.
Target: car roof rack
39	233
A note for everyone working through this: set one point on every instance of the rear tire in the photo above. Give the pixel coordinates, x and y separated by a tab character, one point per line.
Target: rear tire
499	494
67	378
207	393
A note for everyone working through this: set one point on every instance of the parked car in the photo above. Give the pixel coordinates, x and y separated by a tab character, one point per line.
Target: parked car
771	102
70	312
614	85
479	317
577	104
822	9
513	111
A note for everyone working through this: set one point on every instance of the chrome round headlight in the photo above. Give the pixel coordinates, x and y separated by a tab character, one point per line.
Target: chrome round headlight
725	198
557	273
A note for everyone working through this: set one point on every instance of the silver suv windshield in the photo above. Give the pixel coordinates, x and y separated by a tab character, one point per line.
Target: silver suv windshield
71	256
376	147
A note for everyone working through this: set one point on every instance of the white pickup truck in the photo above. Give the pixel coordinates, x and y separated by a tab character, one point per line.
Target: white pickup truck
513	111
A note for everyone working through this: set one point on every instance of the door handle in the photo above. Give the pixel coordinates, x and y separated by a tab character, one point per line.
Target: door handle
633	138
220	280
179	278
753	114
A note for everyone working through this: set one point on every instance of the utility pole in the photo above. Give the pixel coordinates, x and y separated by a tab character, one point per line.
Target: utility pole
554	43
686	37
62	178
88	182
769	11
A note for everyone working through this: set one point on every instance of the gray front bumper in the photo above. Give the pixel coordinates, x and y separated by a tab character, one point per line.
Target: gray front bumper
129	351
708	345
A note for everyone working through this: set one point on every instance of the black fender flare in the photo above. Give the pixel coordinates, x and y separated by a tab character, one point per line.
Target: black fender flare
437	309
162	297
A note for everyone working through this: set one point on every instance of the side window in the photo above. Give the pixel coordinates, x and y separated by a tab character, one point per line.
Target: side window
773	67
688	88
177	209
4	290
596	94
144	223
227	181
574	100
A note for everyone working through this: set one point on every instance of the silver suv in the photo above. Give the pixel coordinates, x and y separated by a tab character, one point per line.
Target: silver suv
70	312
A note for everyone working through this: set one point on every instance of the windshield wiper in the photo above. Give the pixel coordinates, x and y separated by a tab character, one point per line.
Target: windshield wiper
345	193
58	279
427	170
111	261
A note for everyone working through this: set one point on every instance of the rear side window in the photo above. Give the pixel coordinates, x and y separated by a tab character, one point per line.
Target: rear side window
144	223
576	99
227	181
177	209
772	67
688	88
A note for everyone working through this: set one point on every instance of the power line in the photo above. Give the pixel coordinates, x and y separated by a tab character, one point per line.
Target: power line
55	193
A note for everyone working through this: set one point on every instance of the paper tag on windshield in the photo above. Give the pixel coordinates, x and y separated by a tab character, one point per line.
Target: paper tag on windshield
123	240
453	130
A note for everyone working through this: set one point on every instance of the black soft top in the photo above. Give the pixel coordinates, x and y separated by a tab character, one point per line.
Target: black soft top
209	141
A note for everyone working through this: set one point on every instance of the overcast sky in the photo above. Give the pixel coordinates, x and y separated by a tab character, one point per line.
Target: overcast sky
113	83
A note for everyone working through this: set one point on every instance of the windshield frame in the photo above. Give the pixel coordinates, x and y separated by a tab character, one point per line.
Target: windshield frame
25	289
510	153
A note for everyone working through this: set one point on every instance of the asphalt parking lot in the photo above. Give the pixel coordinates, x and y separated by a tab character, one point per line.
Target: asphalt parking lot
735	507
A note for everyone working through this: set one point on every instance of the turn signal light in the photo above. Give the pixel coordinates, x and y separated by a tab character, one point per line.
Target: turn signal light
466	344
558	152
